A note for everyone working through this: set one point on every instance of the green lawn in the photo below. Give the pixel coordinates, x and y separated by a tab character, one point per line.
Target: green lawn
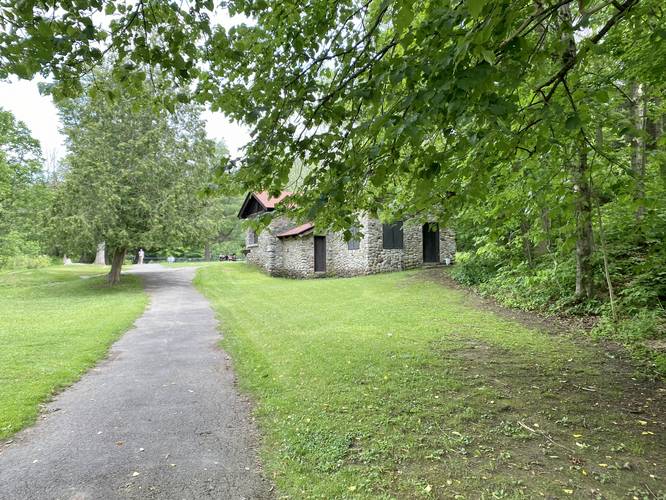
54	325
395	386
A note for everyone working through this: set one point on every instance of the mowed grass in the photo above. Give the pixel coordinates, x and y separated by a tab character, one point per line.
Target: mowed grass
54	325
393	386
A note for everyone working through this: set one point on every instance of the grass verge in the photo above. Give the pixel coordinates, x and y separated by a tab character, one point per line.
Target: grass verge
393	386
55	323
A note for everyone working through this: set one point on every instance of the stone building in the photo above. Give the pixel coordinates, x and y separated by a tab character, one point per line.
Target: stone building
300	251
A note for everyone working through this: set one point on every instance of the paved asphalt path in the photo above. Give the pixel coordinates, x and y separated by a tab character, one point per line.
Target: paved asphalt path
160	418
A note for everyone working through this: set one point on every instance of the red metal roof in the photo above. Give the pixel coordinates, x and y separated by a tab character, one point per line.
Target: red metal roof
268	201
295	231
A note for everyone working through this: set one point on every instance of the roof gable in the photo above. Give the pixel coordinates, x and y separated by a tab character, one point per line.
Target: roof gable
260	202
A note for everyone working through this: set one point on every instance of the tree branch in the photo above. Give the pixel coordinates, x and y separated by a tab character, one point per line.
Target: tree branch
557	78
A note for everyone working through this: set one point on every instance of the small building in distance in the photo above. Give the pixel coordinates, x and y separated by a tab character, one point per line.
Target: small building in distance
285	248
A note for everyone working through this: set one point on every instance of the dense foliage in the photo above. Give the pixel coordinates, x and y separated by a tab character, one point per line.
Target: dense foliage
134	177
24	196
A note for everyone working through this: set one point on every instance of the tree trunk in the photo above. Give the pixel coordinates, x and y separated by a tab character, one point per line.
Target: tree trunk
527	244
116	266
638	152
581	179
100	258
544	245
583	214
208	256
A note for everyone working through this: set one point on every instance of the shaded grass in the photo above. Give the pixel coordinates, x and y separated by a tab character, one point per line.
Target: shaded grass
54	325
392	386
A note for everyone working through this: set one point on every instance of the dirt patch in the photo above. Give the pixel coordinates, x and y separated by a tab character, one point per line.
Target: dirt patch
576	327
591	429
617	374
593	425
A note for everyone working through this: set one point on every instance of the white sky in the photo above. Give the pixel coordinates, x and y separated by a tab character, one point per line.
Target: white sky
38	112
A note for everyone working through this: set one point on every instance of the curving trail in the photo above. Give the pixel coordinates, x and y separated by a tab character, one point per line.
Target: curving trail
160	418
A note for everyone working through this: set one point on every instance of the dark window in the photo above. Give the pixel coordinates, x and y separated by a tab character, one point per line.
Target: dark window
355	242
320	254
392	234
252	238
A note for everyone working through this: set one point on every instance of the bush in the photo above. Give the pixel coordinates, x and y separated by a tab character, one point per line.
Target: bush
519	286
27	262
645	325
17	252
472	269
637	333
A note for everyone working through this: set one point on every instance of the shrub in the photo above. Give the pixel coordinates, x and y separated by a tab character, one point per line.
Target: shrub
18	252
27	261
472	269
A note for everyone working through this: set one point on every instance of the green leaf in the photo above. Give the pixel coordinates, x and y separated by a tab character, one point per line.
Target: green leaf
488	56
403	17
475	7
601	96
573	122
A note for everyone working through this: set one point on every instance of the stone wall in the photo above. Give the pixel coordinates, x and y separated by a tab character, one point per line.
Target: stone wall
266	253
294	256
447	245
379	259
340	260
413	247
382	260
297	257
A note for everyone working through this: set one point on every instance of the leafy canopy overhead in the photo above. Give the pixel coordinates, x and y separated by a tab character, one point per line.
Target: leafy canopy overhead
393	105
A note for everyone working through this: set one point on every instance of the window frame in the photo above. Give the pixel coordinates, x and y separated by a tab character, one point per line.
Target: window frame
393	236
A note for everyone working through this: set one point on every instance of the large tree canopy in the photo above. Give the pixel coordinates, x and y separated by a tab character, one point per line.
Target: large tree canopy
134	174
387	100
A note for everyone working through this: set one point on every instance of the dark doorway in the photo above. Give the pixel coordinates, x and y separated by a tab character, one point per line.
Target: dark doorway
320	254
430	243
